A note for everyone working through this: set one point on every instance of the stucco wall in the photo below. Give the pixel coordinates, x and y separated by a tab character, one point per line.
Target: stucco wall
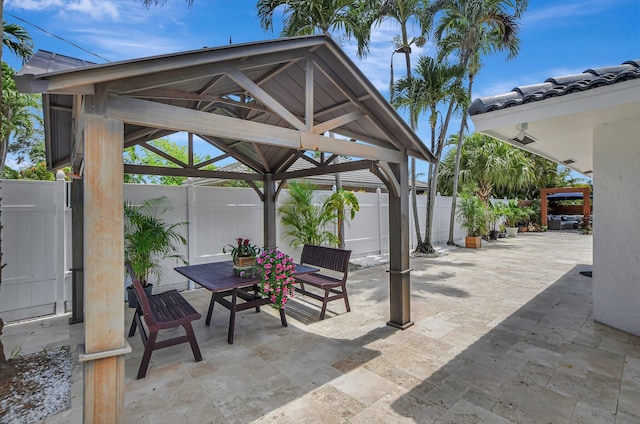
616	217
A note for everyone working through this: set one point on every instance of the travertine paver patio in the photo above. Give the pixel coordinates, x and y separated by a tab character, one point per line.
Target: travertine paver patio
502	334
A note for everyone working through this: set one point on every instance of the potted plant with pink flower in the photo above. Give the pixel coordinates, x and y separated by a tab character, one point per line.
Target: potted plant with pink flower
275	270
243	254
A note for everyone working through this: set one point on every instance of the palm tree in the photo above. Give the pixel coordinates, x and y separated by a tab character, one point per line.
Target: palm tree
15	106
434	84
19	120
306	219
487	164
337	204
304	17
405	12
17	40
472	29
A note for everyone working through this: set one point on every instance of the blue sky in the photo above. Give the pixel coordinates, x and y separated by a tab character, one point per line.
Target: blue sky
557	37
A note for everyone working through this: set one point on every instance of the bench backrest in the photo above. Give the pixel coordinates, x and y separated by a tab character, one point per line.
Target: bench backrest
326	257
143	301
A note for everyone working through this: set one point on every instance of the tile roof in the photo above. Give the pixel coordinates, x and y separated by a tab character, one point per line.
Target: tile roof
558	86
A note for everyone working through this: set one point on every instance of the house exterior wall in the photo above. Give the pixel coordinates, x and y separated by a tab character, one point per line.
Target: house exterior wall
616	223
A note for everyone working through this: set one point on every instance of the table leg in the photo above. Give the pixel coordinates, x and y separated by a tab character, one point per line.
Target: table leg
213	301
256	291
232	318
283	318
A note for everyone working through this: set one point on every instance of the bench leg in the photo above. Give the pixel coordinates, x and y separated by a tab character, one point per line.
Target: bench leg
210	312
324	304
193	342
134	325
146	357
346	298
283	318
232	318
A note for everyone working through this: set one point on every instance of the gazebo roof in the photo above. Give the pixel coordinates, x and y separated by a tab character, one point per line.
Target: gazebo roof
209	92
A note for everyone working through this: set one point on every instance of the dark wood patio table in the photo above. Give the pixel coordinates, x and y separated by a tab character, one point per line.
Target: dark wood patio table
220	278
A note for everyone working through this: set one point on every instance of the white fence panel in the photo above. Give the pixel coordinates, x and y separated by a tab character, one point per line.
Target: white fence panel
29	280
34	239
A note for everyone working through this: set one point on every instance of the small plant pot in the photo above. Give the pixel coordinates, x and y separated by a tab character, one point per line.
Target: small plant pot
473	242
244	261
131	295
502	235
493	235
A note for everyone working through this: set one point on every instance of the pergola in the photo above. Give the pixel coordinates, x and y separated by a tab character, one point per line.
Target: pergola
586	200
264	103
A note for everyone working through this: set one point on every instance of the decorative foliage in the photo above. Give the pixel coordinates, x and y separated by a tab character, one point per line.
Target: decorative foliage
472	212
243	249
148	238
276	270
306	219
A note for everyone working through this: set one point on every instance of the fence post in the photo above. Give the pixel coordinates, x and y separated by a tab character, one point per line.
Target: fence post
191	214
61	202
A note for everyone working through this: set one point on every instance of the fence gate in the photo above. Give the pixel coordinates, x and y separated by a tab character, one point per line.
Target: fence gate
33	245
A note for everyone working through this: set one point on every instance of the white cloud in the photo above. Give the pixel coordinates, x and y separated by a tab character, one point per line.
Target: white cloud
376	66
97	9
117	44
568	10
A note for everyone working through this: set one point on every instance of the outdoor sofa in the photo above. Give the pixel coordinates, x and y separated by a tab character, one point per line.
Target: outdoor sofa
564	222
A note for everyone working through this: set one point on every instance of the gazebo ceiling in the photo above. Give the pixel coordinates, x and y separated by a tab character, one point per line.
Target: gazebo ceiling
264	103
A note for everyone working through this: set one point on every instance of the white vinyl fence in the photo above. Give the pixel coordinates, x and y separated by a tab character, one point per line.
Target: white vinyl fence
36	238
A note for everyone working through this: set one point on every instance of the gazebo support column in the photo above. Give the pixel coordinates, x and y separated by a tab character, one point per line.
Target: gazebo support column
399	271
269	214
105	343
77	252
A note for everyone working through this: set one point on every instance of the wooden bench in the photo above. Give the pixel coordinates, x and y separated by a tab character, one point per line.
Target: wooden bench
330	259
162	311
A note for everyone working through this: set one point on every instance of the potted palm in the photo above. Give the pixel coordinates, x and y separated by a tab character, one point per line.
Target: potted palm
148	239
512	214
472	213
495	213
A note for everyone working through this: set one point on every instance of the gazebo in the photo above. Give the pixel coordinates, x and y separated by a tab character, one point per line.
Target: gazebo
583	193
263	103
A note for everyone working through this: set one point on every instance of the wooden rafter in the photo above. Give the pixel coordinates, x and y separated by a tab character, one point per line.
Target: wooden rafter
214	141
147	113
266	99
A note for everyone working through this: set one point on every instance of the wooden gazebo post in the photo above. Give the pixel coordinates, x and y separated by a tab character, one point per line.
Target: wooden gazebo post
105	343
399	271
269	212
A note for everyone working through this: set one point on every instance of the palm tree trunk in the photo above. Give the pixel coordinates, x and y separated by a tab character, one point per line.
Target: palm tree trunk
414	126
454	195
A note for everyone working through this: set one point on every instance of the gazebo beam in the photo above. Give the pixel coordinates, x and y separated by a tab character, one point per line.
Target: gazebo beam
148	113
